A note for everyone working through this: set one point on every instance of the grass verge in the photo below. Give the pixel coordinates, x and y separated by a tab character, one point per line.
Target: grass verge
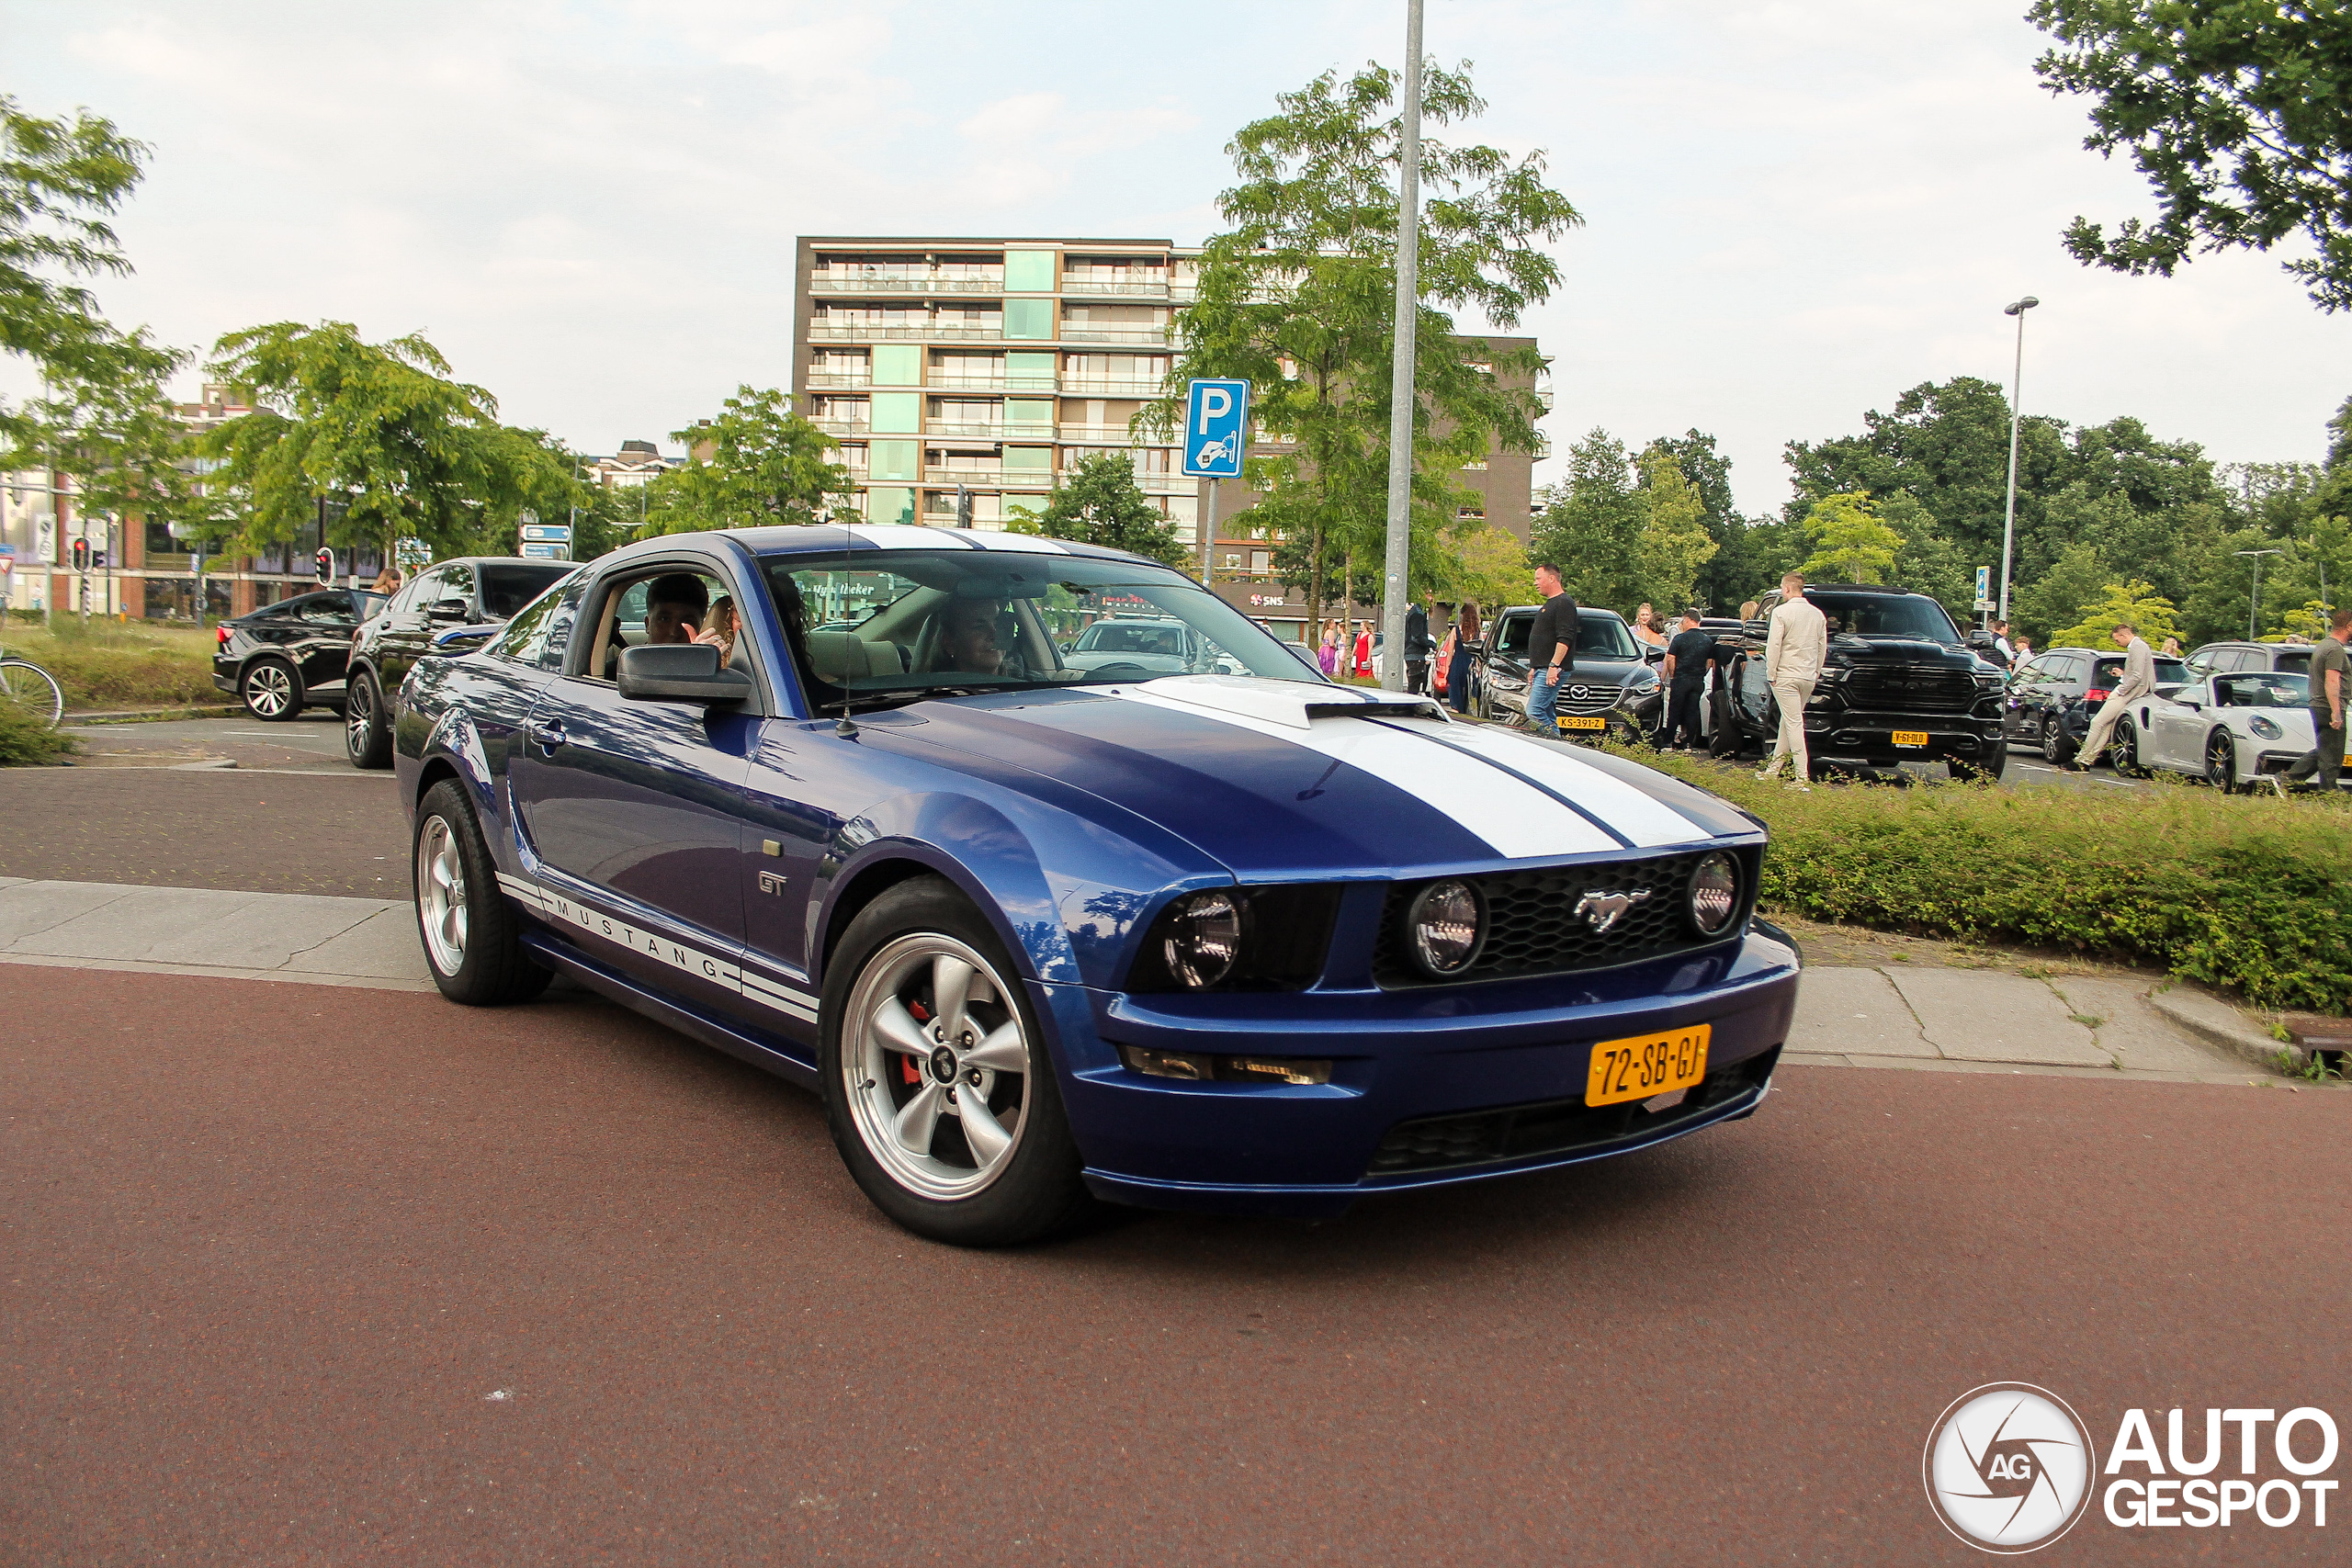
26	741
2252	893
111	664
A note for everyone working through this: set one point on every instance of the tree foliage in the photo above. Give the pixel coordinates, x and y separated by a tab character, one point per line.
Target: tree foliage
1851	543
1100	502
2238	113
755	463
1491	566
2136	602
380	427
1298	297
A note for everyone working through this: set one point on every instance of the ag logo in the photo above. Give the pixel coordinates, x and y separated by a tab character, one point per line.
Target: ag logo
2009	1468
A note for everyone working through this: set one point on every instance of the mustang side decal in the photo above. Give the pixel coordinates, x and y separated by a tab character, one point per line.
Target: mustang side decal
638	939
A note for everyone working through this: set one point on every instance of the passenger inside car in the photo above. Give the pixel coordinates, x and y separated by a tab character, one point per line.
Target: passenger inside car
971	635
674	608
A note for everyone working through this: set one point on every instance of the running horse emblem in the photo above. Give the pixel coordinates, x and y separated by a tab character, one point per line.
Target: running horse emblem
1604	909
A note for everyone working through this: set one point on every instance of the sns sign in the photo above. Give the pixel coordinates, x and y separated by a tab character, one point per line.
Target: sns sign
1216	415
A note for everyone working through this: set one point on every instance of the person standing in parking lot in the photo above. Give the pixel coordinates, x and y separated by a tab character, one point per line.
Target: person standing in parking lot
2331	673
1467	632
1417	646
1793	652
2139	680
1687	658
1551	651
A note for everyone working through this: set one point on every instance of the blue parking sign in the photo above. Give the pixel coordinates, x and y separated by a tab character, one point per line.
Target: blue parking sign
1217	417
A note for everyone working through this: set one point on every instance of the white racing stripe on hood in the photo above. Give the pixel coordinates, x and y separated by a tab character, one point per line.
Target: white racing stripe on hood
1517	820
1645	819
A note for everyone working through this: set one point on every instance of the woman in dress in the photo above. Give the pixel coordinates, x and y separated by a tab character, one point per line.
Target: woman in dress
1466	631
1645	627
1327	655
1363	650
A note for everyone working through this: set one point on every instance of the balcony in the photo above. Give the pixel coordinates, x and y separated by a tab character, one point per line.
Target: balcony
901	283
832	426
974	478
991	383
986	430
1155	336
1132	290
1109	435
840	379
1114	385
880	332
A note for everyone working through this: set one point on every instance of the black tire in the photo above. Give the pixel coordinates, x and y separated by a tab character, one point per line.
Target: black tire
2056	750
367	728
1036	1193
2222	762
1990	771
2123	751
491	967
271	689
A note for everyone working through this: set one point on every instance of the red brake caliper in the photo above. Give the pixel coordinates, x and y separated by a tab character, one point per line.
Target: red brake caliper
906	1064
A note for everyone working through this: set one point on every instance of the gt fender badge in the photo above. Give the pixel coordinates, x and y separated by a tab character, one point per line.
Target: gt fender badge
772	882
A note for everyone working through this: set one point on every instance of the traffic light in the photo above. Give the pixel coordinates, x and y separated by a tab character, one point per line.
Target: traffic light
81	555
326	566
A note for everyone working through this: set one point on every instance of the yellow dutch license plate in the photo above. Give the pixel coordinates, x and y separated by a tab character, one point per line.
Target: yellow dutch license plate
1910	738
1647	1064
1584	723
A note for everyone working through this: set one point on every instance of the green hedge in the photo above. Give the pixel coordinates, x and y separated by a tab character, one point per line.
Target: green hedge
26	741
111	665
2250	892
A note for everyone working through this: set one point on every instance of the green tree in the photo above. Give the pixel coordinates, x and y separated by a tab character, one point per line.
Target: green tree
2238	114
1590	523
2061	595
1675	541
1723	577
382	428
1100	502
756	464
1298	297
1928	562
1851	542
1491	567
2137	601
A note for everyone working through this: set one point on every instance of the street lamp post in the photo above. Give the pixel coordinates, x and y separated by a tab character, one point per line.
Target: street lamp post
1402	382
2254	606
2016	390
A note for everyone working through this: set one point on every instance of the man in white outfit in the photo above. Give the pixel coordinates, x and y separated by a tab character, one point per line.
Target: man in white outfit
2139	680
1793	652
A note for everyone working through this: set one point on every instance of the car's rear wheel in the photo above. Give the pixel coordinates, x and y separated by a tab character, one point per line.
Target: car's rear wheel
271	689
472	936
2056	750
2125	755
367	729
2222	762
938	1086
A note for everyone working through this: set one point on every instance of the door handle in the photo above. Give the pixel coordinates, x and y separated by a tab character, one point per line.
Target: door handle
549	736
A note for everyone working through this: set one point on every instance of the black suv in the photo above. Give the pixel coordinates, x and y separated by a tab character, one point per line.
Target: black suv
1610	688
2054	696
476	591
283	657
1899	684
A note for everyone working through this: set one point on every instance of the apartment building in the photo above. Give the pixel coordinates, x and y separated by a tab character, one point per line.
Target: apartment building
969	373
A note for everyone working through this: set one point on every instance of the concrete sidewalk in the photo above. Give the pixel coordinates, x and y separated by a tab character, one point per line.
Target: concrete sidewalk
1898	1015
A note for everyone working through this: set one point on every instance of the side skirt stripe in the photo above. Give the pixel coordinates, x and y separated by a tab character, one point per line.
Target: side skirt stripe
574	916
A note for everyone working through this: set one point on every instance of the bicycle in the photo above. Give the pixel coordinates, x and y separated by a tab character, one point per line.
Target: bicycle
31	689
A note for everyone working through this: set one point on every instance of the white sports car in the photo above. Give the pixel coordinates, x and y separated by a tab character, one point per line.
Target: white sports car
2231	730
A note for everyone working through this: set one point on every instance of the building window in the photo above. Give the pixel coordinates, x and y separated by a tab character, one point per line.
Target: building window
897	365
893	459
1031	319
1027	271
897	414
889	503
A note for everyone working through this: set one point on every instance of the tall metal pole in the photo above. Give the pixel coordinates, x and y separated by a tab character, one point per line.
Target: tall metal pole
1402	396
2016	390
2254	606
1208	528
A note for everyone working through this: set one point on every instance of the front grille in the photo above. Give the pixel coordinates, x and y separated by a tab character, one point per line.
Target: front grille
1553	1126
1587	699
1532	927
1921	691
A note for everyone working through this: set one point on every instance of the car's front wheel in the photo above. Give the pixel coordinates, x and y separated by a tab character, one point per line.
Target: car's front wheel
472	936
937	1084
2056	750
367	729
271	689
2221	762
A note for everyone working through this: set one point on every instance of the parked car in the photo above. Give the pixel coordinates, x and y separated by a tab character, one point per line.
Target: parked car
1041	935
472	591
2238	657
284	657
1611	688
1154	644
2233	731
2054	696
1898	684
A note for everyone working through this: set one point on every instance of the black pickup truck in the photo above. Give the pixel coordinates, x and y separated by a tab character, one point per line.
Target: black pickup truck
1900	685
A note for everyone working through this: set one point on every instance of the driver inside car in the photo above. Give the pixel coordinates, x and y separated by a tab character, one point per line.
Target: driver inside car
674	608
971	640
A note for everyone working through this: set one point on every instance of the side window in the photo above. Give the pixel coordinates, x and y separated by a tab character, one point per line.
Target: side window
560	623
326	609
456	582
674	605
525	636
2200	663
422	589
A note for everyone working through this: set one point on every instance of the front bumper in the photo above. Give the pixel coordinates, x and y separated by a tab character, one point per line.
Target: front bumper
1429	1087
1842	734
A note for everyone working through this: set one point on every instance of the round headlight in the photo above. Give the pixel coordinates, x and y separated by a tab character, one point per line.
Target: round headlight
1204	938
1714	894
2265	727
1447	926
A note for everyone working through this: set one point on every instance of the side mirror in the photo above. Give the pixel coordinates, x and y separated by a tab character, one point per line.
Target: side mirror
1654	654
450	610
680	673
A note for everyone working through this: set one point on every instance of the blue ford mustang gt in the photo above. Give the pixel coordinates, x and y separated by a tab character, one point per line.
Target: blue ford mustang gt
832	799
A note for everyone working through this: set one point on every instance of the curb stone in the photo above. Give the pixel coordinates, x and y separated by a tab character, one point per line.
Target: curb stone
2215	1021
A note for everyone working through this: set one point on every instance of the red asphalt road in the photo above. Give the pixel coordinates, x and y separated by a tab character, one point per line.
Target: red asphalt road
270	1251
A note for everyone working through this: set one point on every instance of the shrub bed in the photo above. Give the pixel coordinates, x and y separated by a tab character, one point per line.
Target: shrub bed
2249	893
111	665
26	741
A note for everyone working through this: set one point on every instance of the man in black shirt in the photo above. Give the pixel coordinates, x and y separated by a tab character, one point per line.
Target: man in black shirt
1418	645
1551	652
1687	658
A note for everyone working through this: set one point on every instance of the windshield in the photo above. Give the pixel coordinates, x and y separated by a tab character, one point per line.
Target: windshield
907	624
1600	635
2262	691
1885	614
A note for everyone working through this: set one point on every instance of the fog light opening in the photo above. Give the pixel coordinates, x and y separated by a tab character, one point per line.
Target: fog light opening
1191	1067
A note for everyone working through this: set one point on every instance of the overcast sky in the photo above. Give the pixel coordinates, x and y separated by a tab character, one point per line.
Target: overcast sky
1794	211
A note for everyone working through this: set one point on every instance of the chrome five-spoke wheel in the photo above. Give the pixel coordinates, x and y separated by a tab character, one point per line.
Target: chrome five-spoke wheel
935	1066
441	896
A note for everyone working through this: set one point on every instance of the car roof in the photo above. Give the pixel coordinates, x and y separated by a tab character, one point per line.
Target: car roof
865	538
1581	610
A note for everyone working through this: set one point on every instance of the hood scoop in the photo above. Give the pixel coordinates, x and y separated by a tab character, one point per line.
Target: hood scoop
1297	704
